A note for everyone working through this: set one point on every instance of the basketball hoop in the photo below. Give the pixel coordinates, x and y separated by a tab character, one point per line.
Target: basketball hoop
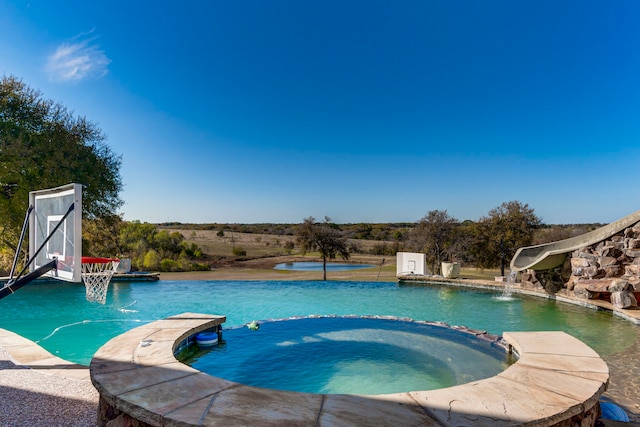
96	275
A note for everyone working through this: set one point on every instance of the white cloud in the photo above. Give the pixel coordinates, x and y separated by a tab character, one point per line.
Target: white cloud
76	61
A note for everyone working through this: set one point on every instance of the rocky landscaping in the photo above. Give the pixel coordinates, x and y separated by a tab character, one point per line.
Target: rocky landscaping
608	270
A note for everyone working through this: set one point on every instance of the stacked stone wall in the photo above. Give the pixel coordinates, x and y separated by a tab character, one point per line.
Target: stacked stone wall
609	269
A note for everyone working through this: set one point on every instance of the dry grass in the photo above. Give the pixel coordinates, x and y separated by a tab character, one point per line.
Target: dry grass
264	251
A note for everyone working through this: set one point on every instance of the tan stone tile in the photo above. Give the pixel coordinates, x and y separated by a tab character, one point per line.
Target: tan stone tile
186	321
190	414
9	339
251	406
103	366
388	410
584	367
548	342
29	353
118	353
495	402
154	353
581	389
120	382
155	401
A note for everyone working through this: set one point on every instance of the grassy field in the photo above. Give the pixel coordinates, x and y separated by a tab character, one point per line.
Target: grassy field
264	251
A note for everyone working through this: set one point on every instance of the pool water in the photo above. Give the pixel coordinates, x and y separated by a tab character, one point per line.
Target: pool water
317	266
348	355
57	316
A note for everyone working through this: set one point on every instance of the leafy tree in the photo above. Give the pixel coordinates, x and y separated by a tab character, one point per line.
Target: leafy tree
324	237
145	245
167	243
151	260
435	235
504	230
43	145
101	236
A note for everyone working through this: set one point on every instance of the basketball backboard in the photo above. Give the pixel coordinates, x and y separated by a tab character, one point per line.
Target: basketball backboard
411	263
55	230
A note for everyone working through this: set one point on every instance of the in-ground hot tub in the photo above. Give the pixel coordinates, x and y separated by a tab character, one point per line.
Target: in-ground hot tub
556	379
350	355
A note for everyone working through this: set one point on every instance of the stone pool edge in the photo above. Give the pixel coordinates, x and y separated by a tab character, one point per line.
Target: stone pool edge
556	380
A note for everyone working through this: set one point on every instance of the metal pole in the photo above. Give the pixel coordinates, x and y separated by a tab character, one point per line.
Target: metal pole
22	233
35	255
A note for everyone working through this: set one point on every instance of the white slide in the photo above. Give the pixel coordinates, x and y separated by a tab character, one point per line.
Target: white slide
550	255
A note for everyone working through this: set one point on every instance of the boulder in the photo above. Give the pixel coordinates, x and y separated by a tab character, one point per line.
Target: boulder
624	259
611	251
590	272
582	254
601	285
580	262
528	279
607	261
632	253
614	270
623	299
632	270
634	284
584	293
633	243
619	285
579	271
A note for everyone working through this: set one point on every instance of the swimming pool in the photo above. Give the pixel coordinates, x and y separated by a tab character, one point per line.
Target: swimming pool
57	316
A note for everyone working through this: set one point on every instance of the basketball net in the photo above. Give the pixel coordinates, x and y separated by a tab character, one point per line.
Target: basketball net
96	275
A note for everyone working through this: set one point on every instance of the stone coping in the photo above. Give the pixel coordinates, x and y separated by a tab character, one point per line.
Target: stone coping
27	353
556	378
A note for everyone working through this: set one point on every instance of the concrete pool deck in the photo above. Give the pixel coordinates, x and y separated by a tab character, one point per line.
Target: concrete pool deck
557	379
40	389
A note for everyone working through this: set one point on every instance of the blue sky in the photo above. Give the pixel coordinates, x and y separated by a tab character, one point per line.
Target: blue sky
273	111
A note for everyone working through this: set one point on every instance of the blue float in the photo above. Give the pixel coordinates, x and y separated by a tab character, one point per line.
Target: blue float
206	339
611	411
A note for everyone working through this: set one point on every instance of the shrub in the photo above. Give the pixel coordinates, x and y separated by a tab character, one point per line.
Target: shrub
200	267
151	260
239	251
168	265
288	246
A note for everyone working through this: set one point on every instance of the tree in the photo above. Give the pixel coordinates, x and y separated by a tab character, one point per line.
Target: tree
324	237
43	145
504	230
100	237
434	234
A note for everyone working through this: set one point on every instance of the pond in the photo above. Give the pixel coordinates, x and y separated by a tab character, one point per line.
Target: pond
317	266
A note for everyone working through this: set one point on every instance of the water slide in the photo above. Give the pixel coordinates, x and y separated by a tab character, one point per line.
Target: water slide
550	255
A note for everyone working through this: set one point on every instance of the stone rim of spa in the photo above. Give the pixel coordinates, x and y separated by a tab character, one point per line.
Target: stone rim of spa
557	378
